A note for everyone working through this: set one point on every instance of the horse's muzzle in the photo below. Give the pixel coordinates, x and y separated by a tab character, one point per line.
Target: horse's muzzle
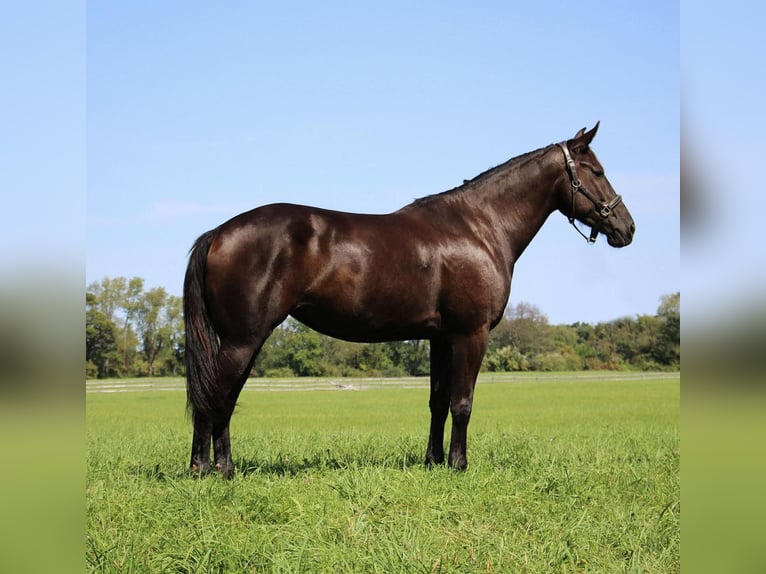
621	238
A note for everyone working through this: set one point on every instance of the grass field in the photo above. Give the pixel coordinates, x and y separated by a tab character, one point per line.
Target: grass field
567	473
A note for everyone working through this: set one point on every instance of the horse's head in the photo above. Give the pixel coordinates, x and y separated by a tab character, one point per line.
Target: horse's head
587	196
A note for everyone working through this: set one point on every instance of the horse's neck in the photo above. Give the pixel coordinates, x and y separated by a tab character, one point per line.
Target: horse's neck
519	201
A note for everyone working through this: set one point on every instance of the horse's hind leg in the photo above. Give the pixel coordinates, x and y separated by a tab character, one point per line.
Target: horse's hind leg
233	368
234	364
200	455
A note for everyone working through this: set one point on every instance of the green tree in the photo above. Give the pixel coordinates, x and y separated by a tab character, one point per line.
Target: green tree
646	333
117	299
109	295
668	349
375	360
147	325
304	355
153	324
605	344
101	355
530	331
584	348
564	339
341	358
130	302
521	340
176	348
410	357
506	358
272	361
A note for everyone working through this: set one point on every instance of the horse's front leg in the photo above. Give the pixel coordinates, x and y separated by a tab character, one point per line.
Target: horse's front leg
439	401
467	354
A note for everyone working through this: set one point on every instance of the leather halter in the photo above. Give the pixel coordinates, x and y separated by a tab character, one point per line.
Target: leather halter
604	209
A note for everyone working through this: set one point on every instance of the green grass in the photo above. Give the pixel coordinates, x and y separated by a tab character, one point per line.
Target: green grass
564	476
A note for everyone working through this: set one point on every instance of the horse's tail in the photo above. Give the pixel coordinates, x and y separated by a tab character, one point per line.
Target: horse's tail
201	338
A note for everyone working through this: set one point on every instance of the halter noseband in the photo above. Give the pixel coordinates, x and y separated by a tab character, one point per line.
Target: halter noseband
604	209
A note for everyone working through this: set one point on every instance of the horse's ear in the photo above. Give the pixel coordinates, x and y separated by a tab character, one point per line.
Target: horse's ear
582	139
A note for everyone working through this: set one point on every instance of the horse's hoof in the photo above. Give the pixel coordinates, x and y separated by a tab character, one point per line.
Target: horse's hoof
199	470
432	462
227	471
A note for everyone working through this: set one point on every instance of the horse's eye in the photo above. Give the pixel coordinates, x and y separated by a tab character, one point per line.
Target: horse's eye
597	171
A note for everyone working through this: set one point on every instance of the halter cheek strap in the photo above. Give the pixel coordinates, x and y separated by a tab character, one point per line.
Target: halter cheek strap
604	209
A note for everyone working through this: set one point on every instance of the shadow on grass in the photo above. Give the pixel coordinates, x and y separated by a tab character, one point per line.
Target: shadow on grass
283	465
286	465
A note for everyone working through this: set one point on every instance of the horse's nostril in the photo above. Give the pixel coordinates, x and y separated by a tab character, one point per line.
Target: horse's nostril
632	228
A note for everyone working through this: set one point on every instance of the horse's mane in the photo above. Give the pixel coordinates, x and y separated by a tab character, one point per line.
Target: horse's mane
482	177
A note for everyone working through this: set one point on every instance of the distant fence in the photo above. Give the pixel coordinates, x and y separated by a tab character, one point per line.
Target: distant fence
364	384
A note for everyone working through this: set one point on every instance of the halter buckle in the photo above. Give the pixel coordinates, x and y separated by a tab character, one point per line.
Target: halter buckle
606	208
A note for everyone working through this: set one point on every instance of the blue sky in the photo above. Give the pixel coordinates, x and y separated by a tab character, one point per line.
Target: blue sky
198	112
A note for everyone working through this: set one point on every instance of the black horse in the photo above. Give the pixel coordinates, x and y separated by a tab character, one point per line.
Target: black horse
440	269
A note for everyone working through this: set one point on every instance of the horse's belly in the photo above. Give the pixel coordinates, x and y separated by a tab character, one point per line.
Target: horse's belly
382	323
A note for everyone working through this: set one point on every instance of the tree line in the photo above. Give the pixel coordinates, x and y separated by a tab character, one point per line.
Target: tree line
132	331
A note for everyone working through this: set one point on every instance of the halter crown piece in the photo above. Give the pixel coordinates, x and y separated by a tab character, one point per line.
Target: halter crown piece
604	208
